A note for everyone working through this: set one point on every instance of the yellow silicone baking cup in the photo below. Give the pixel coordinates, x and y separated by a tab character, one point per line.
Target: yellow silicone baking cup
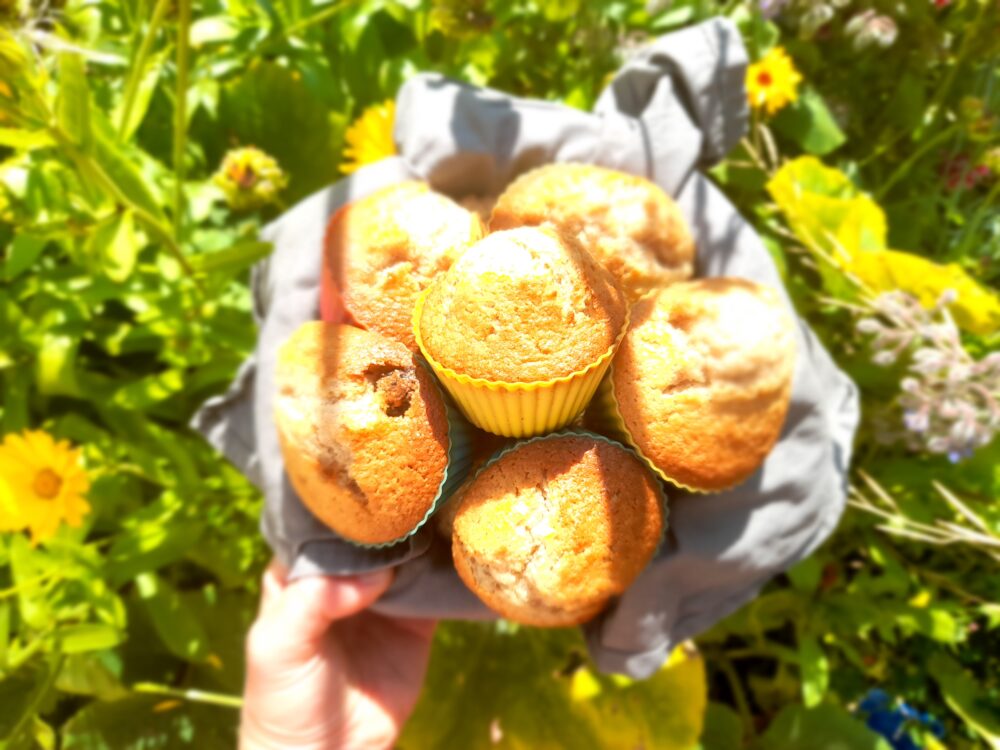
519	409
606	415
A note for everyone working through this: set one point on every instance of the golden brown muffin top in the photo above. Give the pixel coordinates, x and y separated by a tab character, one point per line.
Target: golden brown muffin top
363	430
704	376
629	224
522	305
557	526
384	250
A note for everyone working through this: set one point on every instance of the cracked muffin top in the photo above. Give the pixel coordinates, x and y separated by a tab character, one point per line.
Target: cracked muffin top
628	223
553	529
384	249
362	428
703	379
523	305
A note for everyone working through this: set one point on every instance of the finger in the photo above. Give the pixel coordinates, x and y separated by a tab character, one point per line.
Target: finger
272	585
309	605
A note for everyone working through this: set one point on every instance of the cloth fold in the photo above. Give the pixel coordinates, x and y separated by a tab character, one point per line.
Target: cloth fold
675	108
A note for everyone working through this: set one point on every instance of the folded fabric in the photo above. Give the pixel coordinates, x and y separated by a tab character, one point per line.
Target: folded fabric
677	107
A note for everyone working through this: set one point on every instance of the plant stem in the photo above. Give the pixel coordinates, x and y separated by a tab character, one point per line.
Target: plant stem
320	17
88	164
197	696
905	167
180	112
739	696
138	67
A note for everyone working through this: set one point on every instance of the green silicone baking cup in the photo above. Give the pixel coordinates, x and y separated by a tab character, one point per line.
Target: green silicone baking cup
459	461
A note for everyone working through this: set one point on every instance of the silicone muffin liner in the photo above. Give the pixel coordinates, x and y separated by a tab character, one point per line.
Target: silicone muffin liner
519	409
605	415
664	504
455	472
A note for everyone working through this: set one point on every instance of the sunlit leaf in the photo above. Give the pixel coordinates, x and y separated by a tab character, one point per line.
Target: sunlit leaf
24	140
826	727
90	674
57	365
177	626
144	90
966	699
815	671
140	722
76	639
846	230
73	102
492	669
115	246
809	123
22	254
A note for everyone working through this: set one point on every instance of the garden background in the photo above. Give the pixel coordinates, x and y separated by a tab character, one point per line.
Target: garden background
130	200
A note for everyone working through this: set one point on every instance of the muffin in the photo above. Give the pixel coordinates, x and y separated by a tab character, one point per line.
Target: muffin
520	329
702	382
629	224
364	431
555	527
383	250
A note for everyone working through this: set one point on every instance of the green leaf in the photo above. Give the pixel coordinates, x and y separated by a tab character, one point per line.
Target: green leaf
73	102
25	140
490	669
723	729
77	639
846	231
56	365
156	540
805	576
22	254
4	630
122	169
94	674
20	694
143	94
146	722
815	671
809	123
146	392
967	699
178	627
30	567
906	108
934	622
213	30
232	260
826	727
115	246
624	713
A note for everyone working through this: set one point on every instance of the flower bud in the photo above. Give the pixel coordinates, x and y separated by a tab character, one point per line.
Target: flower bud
869	29
249	178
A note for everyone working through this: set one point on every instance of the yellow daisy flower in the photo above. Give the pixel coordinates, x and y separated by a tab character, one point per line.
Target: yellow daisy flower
369	138
45	484
772	82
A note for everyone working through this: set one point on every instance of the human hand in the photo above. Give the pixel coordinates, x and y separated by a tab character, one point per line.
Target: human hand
322	673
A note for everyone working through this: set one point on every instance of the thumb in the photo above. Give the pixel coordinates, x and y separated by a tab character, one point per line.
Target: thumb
310	605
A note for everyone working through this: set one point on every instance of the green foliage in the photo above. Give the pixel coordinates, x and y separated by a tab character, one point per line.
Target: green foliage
570	705
124	304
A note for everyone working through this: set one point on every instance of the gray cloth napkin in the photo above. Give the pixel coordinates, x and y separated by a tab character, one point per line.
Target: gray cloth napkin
678	106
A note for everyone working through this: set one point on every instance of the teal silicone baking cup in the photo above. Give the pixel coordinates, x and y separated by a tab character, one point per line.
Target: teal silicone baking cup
456	471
